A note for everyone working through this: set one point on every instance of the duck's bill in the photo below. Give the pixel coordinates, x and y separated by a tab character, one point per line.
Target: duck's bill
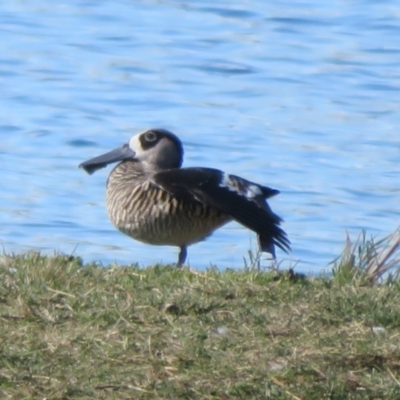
122	153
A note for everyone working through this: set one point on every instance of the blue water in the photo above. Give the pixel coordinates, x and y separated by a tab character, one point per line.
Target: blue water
302	96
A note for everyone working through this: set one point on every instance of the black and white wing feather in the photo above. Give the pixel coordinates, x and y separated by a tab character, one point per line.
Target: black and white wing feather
243	200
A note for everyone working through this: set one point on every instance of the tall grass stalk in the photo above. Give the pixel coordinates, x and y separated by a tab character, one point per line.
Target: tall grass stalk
367	259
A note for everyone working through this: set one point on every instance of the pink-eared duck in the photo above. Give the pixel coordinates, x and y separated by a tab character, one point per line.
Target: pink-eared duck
152	199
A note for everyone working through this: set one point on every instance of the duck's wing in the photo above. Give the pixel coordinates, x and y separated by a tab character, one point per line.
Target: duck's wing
243	200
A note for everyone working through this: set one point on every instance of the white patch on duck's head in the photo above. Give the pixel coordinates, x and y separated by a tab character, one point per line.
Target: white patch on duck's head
157	149
135	145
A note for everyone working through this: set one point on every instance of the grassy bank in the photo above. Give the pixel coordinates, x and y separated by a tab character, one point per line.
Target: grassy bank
73	331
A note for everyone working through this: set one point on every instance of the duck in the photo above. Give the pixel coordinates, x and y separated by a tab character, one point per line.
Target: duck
152	199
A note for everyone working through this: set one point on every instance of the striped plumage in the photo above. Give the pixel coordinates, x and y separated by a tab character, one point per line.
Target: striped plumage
149	214
153	200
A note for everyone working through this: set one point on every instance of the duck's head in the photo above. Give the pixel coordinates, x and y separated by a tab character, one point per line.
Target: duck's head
156	149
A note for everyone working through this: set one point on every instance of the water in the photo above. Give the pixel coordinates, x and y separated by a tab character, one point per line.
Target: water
301	96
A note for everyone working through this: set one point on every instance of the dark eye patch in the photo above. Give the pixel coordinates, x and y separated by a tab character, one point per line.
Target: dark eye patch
150	136
149	139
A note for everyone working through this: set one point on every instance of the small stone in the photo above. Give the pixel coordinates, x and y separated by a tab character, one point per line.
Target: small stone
379	330
222	330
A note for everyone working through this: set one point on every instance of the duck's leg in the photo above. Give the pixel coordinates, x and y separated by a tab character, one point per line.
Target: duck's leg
182	256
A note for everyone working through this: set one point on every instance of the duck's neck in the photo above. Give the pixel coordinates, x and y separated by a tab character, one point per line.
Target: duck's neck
127	171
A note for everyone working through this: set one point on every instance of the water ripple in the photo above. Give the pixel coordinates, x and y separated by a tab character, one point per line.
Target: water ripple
299	96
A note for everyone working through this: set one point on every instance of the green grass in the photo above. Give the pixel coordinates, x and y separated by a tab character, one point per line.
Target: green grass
73	331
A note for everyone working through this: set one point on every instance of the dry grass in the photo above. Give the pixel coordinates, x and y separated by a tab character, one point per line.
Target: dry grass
369	260
73	331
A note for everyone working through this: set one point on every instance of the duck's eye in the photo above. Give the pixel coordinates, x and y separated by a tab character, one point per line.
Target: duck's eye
150	136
